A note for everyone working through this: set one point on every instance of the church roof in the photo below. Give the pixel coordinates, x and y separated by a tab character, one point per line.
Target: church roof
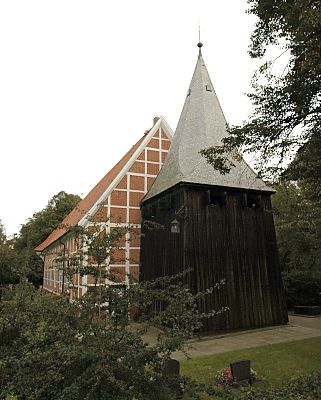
88	206
201	125
88	202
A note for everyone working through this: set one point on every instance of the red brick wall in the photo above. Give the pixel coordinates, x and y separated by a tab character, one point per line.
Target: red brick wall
121	208
123	205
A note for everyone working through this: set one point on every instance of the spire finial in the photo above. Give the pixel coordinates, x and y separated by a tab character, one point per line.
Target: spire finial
199	45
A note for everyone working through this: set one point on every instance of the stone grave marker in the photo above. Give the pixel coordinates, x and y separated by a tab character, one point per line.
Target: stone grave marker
241	371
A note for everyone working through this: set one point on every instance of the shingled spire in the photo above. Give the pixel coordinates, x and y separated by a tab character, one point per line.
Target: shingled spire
202	124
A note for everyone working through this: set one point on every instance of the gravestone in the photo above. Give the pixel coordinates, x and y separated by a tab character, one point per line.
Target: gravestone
241	371
172	367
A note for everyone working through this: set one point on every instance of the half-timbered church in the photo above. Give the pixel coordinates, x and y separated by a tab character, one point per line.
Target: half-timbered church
219	226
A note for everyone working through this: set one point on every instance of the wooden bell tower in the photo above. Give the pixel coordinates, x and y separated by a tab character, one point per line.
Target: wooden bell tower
221	226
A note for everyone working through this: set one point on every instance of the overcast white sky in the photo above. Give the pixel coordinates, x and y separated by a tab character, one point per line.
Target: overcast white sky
80	81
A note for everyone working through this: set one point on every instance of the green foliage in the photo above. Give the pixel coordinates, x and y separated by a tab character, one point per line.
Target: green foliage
305	387
306	170
87	349
297	212
298	228
302	289
54	349
287	106
36	230
219	158
7	272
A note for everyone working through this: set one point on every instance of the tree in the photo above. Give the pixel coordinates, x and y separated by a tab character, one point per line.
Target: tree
297	206
287	106
7	272
297	211
305	169
36	230
285	126
298	228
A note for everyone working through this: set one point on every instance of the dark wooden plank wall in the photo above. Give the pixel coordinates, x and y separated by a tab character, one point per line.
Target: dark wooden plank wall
162	253
223	240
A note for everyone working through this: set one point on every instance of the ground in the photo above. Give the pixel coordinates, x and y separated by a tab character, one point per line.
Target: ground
298	328
279	355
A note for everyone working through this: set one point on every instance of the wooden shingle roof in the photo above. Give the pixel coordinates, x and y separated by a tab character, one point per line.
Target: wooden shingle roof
201	125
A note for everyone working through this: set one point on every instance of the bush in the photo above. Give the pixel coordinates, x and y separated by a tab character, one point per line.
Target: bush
52	348
302	289
304	387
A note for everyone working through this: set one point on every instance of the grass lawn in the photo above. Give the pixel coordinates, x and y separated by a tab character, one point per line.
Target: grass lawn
275	364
